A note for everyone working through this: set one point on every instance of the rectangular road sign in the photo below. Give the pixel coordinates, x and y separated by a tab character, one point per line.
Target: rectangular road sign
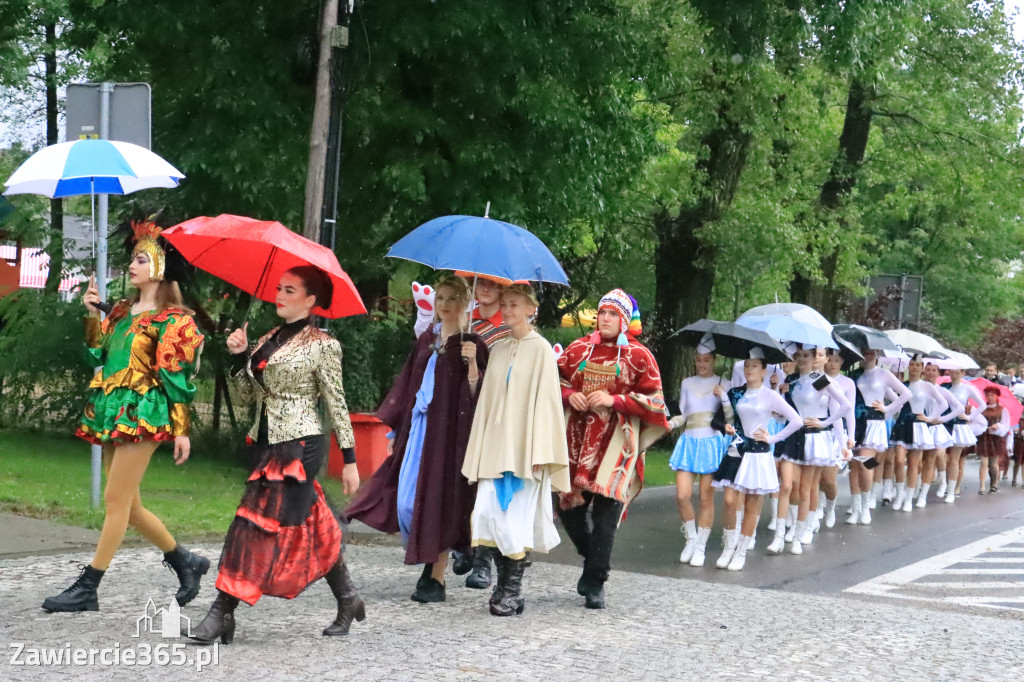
130	119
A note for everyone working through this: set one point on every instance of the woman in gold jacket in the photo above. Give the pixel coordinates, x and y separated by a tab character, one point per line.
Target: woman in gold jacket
284	536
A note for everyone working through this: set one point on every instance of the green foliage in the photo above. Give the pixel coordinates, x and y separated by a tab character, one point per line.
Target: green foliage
43	363
374	348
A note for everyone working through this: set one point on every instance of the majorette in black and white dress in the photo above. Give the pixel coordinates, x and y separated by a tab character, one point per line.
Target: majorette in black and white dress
916	434
750	467
963	432
828	405
871	432
941	436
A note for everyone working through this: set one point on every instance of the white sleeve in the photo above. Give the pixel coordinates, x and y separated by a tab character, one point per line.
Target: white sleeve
902	394
838	404
1003	427
938	397
956	408
779	405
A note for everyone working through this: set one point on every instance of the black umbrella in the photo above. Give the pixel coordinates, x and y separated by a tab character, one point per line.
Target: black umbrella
732	340
864	338
848	351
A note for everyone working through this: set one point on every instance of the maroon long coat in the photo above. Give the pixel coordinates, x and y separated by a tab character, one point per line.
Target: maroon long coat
444	498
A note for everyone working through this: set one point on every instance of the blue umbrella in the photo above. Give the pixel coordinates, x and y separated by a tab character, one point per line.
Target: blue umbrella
786	328
480	245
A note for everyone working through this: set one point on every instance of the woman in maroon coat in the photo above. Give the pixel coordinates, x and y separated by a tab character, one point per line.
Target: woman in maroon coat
420	489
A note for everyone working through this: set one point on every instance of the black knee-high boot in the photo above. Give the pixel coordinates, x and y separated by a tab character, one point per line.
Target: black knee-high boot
350	604
511	602
480	577
218	623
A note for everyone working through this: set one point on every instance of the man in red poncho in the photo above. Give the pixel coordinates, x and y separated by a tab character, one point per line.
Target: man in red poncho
611	388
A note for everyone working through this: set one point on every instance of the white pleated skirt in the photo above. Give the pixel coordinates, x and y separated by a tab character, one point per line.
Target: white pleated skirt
963	436
757	475
527	525
876	436
819	450
940	436
922	439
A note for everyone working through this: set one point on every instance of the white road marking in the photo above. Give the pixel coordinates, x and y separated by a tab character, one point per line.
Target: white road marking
911	582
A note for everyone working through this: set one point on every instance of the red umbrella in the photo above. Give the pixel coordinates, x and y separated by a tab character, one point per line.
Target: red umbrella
253	254
1006	398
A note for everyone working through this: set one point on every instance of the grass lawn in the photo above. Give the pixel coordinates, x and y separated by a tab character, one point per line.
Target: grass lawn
48	476
656	471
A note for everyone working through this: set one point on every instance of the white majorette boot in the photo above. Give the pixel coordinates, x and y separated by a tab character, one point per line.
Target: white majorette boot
901	495
689	529
794	510
797	547
820	513
874	494
917	490
922	499
730	538
888	490
865	511
830	513
700	547
940	490
739	558
950	494
814	523
908	502
779	541
808	536
856	507
775	513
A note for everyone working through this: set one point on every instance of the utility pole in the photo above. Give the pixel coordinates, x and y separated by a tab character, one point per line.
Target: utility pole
321	123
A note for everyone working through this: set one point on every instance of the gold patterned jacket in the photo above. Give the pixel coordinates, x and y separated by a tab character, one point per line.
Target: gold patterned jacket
305	368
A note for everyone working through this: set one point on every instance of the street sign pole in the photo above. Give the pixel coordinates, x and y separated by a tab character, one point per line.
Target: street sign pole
102	214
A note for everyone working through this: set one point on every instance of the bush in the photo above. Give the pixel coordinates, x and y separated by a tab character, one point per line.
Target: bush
374	348
43	363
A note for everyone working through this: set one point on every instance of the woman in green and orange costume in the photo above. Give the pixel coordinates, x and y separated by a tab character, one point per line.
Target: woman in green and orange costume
147	350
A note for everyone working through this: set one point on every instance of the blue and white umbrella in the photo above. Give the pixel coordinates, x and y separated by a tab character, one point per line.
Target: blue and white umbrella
91	167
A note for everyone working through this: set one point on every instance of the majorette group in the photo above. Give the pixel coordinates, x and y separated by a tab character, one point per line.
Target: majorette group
788	430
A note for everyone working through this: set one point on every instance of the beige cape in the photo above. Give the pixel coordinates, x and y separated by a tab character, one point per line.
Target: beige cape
519	424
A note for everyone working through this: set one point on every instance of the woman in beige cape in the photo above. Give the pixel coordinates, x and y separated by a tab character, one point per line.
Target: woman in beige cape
517	450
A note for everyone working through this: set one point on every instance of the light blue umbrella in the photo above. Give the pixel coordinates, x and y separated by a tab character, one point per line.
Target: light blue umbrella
482	246
786	328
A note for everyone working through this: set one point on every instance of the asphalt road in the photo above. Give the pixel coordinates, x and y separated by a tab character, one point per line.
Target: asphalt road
649	541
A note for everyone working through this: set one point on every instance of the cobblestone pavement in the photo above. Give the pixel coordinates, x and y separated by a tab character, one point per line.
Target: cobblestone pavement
654	629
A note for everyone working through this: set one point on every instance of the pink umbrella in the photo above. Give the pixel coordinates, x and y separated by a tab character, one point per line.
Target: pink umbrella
1006	398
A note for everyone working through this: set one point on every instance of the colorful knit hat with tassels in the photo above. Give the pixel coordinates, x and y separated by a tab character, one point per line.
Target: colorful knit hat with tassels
629	314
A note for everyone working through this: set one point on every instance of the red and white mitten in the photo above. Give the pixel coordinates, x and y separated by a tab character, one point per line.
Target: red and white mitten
423	297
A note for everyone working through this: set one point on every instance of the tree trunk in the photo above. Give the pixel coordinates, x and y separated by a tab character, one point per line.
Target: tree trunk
853	142
684	265
320	128
55	245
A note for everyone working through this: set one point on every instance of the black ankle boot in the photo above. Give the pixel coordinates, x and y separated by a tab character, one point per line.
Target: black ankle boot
350	604
594	596
219	622
190	569
462	562
428	570
502	580
430	591
511	602
480	577
81	596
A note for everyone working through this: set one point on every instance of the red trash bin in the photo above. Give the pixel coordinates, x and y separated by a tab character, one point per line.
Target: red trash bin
371	447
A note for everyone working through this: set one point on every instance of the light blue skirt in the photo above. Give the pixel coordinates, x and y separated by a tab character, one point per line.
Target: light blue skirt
699	455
